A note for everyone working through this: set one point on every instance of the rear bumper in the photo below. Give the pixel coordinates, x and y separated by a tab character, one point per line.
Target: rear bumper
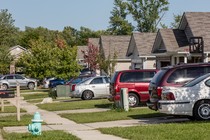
114	98
152	104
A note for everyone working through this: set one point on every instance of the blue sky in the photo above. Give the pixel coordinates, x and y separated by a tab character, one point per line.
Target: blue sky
93	14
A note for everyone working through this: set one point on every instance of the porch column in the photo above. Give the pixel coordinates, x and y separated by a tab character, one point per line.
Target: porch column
172	60
185	59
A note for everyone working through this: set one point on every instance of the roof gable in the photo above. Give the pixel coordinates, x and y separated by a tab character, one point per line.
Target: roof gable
111	44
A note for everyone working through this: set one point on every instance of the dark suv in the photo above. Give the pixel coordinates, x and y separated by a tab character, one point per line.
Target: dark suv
176	75
136	81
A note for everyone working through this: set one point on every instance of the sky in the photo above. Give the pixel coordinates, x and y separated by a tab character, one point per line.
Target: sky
93	14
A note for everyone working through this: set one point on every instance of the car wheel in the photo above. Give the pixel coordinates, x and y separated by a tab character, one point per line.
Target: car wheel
202	110
133	100
31	85
4	87
87	95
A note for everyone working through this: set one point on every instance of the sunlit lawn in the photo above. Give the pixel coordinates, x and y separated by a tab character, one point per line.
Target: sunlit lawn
46	135
112	115
11	109
170	131
78	104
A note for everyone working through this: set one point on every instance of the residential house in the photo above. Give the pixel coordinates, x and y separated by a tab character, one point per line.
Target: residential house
16	52
111	45
139	51
173	46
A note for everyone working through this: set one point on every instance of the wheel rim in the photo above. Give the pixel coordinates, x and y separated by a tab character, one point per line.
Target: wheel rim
132	100
88	94
4	87
31	86
204	111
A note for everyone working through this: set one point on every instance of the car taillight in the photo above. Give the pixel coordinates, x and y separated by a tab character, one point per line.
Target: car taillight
117	90
73	87
170	96
159	91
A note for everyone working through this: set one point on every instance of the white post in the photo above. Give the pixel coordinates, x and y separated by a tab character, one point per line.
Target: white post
35	87
124	99
18	102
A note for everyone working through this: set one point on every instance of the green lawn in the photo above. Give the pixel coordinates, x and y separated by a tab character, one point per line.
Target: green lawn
78	104
170	131
11	109
112	115
46	135
39	95
12	121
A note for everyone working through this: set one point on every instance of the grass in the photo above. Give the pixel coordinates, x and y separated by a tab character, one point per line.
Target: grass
170	131
12	121
111	115
11	109
46	135
35	95
78	104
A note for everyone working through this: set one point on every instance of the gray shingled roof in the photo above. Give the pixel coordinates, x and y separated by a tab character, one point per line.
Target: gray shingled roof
79	51
118	43
174	39
199	24
94	41
144	42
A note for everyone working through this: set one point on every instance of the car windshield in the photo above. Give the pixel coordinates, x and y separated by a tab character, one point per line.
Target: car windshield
83	81
196	80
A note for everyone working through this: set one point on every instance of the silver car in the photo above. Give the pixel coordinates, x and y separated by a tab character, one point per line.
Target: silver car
11	80
93	87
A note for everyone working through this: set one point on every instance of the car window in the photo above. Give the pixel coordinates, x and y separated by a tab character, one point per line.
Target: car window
208	83
184	75
158	76
197	80
107	79
97	81
8	77
18	77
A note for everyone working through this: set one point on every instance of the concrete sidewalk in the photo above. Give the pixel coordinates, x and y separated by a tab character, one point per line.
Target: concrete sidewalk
55	122
86	131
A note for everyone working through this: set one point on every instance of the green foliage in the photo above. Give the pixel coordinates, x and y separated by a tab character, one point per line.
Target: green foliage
147	13
9	35
175	23
118	23
107	65
46	59
5	60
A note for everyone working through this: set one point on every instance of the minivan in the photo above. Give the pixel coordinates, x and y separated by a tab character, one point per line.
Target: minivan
136	81
176	75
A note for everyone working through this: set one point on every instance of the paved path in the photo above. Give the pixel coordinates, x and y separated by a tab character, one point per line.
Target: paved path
86	131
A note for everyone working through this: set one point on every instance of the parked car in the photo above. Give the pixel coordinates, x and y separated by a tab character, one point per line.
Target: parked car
136	81
11	80
87	71
53	83
176	75
93	87
73	81
192	99
46	81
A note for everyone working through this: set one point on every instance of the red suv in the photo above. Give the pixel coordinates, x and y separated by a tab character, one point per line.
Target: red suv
176	75
136	81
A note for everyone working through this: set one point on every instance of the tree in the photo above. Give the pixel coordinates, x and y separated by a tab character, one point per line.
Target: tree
147	13
175	23
9	34
90	56
5	60
46	59
118	23
107	65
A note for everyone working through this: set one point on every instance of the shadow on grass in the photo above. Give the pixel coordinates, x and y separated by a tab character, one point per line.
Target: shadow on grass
149	115
107	105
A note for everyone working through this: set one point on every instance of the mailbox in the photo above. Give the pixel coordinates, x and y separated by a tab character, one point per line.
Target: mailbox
7	94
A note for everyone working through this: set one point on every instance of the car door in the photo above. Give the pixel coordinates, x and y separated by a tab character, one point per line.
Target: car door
98	86
107	85
11	80
21	80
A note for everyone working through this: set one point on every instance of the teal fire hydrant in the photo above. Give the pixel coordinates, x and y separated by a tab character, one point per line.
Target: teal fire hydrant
35	127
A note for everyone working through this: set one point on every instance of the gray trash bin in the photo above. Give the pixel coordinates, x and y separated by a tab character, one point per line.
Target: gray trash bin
63	90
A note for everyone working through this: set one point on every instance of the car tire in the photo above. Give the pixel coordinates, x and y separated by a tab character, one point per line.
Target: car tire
31	85
133	100
87	95
4	87
201	110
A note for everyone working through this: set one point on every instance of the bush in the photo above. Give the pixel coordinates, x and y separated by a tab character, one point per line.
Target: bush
53	93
